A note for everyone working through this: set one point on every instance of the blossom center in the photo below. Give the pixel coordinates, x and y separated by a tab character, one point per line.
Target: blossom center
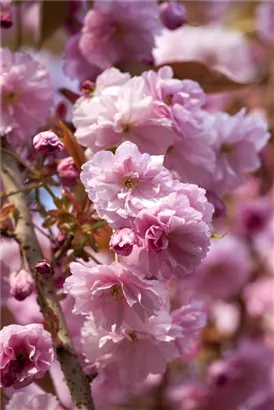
126	127
116	292
133	336
119	31
129	183
225	148
10	97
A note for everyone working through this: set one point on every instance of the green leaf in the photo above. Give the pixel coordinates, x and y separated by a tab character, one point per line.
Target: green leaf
53	15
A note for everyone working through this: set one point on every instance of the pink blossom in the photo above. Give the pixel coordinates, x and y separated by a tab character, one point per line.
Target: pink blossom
173	14
258	297
175	236
136	353
76	66
47	142
21	284
119	30
225	270
127	114
237	141
25	401
123	240
211	44
67	171
261	400
253	216
265	20
190	319
115	294
26	353
235	378
26	96
123	183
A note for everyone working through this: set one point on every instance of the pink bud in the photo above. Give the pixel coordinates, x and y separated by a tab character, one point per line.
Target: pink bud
6	20
21	284
122	241
173	14
47	142
43	267
67	171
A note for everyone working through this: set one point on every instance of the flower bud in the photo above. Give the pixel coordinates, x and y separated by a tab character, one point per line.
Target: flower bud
87	88
173	14
43	268
67	171
122	241
21	284
6	20
47	142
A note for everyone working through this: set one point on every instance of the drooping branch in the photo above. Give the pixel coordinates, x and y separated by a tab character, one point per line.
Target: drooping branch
77	381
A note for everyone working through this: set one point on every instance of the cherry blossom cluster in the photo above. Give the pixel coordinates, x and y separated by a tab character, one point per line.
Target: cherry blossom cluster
127	304
166	116
156	239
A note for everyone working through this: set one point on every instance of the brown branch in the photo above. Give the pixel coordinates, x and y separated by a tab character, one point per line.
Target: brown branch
77	381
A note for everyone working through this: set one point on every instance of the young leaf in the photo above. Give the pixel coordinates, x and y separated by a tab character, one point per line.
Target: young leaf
72	146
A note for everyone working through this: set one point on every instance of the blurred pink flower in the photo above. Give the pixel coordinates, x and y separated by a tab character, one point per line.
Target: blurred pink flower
67	171
27	96
252	216
211	44
265	20
119	30
26	353
237	140
122	184
76	65
21	284
25	401
115	295
225	270
259	298
235	378
190	319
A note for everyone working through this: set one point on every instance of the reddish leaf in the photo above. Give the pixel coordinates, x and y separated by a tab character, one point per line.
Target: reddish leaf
70	95
6	210
72	146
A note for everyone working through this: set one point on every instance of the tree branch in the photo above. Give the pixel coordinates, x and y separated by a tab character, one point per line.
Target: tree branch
76	379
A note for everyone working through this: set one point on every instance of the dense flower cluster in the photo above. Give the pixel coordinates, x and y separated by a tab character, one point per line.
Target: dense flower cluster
137	205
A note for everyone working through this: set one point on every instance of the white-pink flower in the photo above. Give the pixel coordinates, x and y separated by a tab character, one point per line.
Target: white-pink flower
225	270
25	401
116	294
26	353
135	353
122	113
122	184
237	140
175	236
190	319
119	30
27	96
